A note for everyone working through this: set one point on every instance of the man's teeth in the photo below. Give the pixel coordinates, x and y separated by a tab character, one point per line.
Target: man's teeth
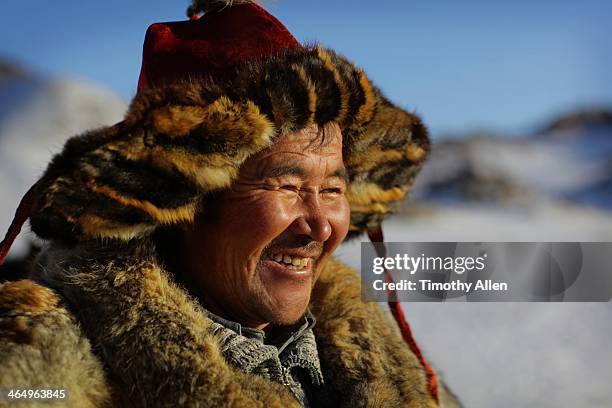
299	263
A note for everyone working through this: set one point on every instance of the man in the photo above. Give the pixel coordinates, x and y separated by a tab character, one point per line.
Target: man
189	258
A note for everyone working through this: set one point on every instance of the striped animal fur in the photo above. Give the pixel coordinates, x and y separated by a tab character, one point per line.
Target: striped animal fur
178	143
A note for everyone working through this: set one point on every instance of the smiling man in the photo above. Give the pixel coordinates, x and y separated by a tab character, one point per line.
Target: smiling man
273	230
189	257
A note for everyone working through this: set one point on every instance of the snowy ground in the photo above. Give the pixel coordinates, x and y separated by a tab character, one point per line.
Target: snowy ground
512	354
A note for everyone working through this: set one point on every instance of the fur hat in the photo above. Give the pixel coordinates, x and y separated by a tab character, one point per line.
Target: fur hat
183	137
212	92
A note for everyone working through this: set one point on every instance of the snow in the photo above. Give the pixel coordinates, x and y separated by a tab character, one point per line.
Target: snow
511	354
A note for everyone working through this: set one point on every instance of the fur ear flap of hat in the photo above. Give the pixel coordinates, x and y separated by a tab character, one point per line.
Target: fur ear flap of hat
178	143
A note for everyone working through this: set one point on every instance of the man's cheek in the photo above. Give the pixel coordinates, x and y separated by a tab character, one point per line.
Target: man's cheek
275	213
263	219
340	220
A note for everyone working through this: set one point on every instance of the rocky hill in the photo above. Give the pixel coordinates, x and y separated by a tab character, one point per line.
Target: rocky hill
570	160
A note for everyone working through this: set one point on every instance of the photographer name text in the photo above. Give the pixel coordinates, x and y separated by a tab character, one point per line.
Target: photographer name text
430	286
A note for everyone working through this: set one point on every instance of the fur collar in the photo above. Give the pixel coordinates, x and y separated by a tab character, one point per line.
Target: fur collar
157	345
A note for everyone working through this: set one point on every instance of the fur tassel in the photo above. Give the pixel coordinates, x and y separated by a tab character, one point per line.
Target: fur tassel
198	7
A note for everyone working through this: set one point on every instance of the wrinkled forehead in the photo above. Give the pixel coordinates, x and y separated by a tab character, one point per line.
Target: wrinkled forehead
323	140
314	151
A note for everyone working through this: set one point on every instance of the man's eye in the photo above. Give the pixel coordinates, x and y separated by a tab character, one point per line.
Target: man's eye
333	190
290	187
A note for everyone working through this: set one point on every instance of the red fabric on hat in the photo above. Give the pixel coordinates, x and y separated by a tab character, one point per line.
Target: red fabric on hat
210	45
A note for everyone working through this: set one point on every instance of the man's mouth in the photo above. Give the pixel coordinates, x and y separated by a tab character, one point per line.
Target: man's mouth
291	262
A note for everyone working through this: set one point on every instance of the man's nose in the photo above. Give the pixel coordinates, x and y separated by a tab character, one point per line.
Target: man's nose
312	222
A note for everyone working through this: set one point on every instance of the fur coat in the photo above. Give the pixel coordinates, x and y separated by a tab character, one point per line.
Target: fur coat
109	325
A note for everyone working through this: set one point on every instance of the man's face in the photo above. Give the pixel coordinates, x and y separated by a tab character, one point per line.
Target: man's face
257	262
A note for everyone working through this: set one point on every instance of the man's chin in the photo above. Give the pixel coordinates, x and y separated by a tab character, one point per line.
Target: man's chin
285	297
287	310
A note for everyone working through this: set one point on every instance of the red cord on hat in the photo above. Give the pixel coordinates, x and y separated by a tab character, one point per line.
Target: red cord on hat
23	212
377	238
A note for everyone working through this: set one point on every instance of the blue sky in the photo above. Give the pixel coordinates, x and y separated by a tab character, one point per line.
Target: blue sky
462	65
